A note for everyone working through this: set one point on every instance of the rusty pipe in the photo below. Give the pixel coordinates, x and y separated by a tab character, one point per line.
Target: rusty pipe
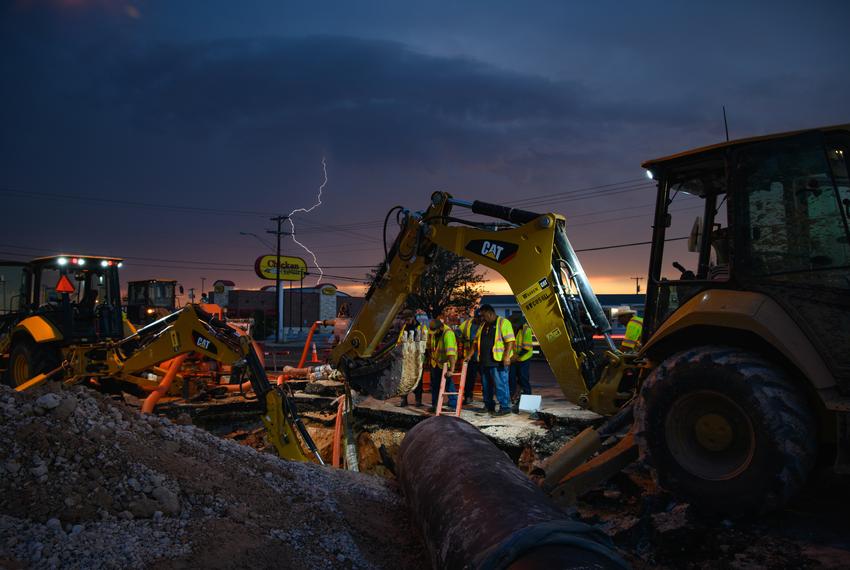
477	510
154	397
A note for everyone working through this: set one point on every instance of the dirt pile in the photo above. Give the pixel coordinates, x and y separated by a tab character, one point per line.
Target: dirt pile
86	482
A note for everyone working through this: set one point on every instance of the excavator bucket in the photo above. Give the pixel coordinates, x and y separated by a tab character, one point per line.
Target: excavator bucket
392	372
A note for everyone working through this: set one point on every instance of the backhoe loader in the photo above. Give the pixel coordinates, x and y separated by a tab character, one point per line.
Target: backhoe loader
744	373
151	299
63	321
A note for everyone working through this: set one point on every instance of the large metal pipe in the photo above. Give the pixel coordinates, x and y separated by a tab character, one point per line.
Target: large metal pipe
475	509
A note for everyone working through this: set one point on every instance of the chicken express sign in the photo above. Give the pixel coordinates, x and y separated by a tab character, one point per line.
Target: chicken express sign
291	268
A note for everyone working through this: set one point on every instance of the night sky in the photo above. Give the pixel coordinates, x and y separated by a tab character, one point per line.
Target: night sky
158	130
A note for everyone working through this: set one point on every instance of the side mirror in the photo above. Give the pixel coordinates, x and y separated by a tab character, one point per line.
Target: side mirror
696	236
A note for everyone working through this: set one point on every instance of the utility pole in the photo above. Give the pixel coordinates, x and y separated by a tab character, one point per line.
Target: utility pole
279	330
203	280
637	284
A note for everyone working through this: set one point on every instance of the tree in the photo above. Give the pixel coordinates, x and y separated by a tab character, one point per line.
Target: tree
451	284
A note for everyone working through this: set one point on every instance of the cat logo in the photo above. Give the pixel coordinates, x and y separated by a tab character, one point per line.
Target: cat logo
203	343
499	251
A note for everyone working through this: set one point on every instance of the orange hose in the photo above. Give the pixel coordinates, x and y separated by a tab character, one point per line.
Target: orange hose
337	447
307	344
173	368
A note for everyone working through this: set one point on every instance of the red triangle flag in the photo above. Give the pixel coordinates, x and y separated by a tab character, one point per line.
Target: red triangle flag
64	285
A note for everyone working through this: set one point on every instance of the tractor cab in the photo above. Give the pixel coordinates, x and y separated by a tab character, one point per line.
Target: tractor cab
151	299
75	298
767	216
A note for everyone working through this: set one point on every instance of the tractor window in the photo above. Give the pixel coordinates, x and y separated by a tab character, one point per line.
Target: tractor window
797	230
162	294
136	294
12	289
89	287
696	204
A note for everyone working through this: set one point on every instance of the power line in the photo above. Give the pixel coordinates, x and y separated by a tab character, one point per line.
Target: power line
622	245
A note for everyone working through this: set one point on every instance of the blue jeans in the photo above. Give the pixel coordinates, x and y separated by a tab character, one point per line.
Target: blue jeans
495	379
471	374
436	374
520	375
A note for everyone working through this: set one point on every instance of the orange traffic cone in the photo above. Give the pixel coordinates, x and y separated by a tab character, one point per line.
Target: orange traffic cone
315	354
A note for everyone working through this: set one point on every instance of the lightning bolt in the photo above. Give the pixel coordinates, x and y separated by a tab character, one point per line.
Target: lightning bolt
307	211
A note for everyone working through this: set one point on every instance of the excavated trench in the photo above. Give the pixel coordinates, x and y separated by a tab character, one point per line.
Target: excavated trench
649	527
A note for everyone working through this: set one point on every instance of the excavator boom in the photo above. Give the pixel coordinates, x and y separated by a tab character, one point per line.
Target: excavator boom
532	252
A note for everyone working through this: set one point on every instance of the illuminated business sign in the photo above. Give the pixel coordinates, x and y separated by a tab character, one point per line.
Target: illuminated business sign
291	268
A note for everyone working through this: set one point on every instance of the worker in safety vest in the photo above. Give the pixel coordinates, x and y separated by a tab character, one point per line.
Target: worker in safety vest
442	349
410	323
494	345
467	331
634	330
519	377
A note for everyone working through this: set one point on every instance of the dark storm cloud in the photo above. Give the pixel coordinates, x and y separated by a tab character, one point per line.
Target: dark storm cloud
358	98
364	97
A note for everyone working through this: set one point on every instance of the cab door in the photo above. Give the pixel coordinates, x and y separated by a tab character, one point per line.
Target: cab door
793	206
14	293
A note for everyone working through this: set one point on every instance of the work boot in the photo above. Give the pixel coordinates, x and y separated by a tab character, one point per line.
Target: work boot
432	410
403	402
501	412
467	401
515	409
419	403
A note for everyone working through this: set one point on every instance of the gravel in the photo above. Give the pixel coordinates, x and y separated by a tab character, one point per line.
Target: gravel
87	482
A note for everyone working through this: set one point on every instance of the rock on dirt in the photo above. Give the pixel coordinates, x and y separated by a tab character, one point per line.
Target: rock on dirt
86	482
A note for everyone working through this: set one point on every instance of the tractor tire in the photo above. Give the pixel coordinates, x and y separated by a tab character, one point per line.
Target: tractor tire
726	430
27	359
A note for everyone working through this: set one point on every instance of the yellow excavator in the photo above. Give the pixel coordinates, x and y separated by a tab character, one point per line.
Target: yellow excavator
62	320
744	373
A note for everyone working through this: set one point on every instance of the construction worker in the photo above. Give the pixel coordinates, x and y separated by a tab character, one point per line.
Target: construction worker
468	329
442	348
634	330
519	377
494	345
409	323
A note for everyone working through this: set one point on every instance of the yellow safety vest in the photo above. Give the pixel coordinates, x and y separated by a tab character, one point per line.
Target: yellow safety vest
504	334
634	330
525	343
466	339
442	347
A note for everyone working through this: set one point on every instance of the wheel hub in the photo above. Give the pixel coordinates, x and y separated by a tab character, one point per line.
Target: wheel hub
713	432
710	435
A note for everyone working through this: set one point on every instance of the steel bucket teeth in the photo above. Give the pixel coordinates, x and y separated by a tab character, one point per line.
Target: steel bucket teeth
392	374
